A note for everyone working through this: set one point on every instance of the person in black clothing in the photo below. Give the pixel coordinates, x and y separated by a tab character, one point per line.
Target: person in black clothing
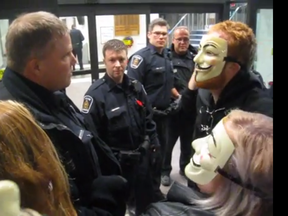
76	39
39	65
222	79
119	108
153	68
178	124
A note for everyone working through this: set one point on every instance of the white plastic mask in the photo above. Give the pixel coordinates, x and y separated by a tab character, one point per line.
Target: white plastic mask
9	198
209	62
211	152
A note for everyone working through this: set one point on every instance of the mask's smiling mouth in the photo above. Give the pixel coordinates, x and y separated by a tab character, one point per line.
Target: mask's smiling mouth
203	67
196	160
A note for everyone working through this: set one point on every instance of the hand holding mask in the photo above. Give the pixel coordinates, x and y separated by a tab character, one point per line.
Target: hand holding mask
192	82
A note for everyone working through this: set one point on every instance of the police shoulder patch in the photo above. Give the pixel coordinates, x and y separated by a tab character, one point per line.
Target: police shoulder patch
136	61
87	103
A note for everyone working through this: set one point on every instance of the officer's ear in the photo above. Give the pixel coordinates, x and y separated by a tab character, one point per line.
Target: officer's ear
33	67
149	34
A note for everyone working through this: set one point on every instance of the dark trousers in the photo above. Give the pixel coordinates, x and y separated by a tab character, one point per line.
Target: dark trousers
178	126
161	126
140	184
77	52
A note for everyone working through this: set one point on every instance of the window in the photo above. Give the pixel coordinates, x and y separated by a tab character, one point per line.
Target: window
4	24
81	48
127	25
264	35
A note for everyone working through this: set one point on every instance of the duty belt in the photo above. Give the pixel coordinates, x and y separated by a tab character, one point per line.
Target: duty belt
132	156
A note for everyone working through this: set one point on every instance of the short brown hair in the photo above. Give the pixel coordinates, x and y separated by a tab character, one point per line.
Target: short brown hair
241	41
159	22
29	36
115	45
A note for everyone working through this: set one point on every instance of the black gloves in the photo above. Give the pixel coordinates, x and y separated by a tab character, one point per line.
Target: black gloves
110	193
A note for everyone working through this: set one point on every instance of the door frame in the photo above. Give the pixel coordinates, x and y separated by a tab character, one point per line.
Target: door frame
253	7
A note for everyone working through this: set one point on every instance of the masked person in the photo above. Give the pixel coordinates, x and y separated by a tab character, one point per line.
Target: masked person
233	167
222	79
122	114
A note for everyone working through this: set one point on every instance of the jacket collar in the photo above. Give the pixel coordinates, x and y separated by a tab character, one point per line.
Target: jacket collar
112	84
30	93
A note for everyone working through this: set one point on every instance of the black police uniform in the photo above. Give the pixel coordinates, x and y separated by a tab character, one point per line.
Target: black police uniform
245	91
155	72
87	159
179	124
123	118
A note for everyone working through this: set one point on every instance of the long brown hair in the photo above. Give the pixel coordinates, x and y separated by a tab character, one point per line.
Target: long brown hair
28	158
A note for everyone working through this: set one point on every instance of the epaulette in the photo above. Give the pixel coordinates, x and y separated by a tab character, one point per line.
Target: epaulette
98	83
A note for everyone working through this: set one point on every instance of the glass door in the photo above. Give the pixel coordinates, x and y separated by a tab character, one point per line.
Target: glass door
197	17
81	48
264	35
130	28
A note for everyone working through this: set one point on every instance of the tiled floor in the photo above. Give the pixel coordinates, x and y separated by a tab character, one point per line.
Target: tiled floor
76	92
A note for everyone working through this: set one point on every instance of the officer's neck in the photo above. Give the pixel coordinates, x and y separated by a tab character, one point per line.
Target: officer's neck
117	80
181	54
159	50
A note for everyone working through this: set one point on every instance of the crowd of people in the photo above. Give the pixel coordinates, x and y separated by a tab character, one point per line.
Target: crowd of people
111	156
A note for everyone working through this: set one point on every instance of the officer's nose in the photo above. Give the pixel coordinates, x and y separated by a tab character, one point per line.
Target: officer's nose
117	64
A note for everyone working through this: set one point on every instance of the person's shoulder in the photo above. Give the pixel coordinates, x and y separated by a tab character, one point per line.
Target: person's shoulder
96	85
142	53
259	101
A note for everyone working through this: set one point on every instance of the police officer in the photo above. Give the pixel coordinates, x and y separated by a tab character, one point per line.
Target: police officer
39	64
152	67
179	124
121	113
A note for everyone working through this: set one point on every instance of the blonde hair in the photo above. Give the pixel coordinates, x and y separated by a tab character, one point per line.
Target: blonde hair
241	40
30	160
30	36
251	163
